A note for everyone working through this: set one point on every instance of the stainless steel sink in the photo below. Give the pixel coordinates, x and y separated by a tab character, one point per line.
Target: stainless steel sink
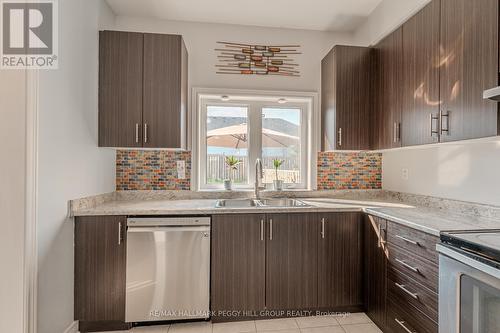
282	202
236	203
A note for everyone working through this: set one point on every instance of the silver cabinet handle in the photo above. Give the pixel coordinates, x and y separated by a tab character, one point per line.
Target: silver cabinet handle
399	132
402	324
408	240
442	128
403	288
407	266
432	118
262	229
395	132
270	229
136	133
323	228
340	136
119	233
145	133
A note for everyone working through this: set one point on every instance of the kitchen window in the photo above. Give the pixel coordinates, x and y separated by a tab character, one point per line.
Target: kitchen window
251	127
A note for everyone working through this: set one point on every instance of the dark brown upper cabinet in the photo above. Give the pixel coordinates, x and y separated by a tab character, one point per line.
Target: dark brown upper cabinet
142	90
388	92
468	65
346	90
340	262
120	89
238	263
421	58
292	261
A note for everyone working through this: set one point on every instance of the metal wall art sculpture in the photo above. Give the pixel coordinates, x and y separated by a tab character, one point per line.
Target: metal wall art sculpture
247	59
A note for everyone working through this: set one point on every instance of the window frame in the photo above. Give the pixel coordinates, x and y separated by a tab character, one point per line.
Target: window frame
255	101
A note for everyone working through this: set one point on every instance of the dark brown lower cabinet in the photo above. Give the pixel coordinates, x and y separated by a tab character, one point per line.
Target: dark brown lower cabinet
291	261
375	269
238	265
340	262
100	267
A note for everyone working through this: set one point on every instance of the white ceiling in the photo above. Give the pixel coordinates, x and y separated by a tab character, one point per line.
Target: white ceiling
323	15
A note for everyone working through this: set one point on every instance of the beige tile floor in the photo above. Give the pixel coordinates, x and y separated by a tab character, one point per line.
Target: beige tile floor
352	323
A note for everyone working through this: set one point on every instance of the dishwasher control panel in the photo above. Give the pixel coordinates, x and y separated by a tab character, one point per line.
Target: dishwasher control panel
167	221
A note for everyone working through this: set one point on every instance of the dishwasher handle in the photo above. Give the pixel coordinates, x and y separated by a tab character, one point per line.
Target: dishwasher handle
168	229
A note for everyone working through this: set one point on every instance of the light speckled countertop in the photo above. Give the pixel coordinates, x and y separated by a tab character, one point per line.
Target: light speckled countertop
433	220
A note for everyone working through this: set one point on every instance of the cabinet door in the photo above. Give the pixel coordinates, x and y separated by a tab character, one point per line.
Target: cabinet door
292	267
375	269
421	60
386	129
120	89
340	262
238	263
352	97
100	267
328	114
469	43
164	115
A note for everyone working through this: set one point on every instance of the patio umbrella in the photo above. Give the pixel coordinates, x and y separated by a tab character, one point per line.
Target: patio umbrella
235	136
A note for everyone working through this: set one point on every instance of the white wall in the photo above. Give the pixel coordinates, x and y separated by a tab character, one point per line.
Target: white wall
12	198
201	38
388	15
467	170
70	164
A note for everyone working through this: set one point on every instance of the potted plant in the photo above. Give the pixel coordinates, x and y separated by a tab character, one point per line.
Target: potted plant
278	184
232	164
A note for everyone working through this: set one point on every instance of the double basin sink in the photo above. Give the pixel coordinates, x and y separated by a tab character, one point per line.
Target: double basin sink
248	203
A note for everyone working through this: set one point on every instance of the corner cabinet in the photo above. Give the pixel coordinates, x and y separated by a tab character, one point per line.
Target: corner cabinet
345	103
142	90
340	262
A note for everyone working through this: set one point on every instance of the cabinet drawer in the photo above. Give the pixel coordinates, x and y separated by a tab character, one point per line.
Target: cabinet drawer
423	271
414	241
408	291
403	319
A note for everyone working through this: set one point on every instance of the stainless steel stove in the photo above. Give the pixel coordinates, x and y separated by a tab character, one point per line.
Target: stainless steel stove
469	282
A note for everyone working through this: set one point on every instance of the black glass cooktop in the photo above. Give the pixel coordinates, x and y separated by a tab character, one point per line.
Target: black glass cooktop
483	245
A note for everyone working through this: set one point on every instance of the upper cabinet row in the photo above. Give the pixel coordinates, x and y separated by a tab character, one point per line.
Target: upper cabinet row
142	90
427	81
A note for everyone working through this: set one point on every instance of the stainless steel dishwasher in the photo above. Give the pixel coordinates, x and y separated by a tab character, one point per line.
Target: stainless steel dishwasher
168	268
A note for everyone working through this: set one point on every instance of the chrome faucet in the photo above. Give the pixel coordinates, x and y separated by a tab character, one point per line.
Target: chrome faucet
258	178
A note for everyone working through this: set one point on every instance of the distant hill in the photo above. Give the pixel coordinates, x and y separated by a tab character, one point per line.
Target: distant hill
275	124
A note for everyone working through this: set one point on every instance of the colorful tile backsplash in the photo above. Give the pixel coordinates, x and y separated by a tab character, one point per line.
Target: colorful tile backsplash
151	170
353	170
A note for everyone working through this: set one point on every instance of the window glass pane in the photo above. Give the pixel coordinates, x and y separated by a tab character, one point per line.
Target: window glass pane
227	135
281	129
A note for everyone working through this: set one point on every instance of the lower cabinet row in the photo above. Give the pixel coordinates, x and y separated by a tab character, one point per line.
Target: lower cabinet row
268	265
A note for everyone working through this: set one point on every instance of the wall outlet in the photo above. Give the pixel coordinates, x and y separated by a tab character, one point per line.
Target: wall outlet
181	169
405	173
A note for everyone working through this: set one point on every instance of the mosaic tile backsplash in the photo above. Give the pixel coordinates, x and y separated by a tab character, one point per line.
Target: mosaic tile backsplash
151	170
342	170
